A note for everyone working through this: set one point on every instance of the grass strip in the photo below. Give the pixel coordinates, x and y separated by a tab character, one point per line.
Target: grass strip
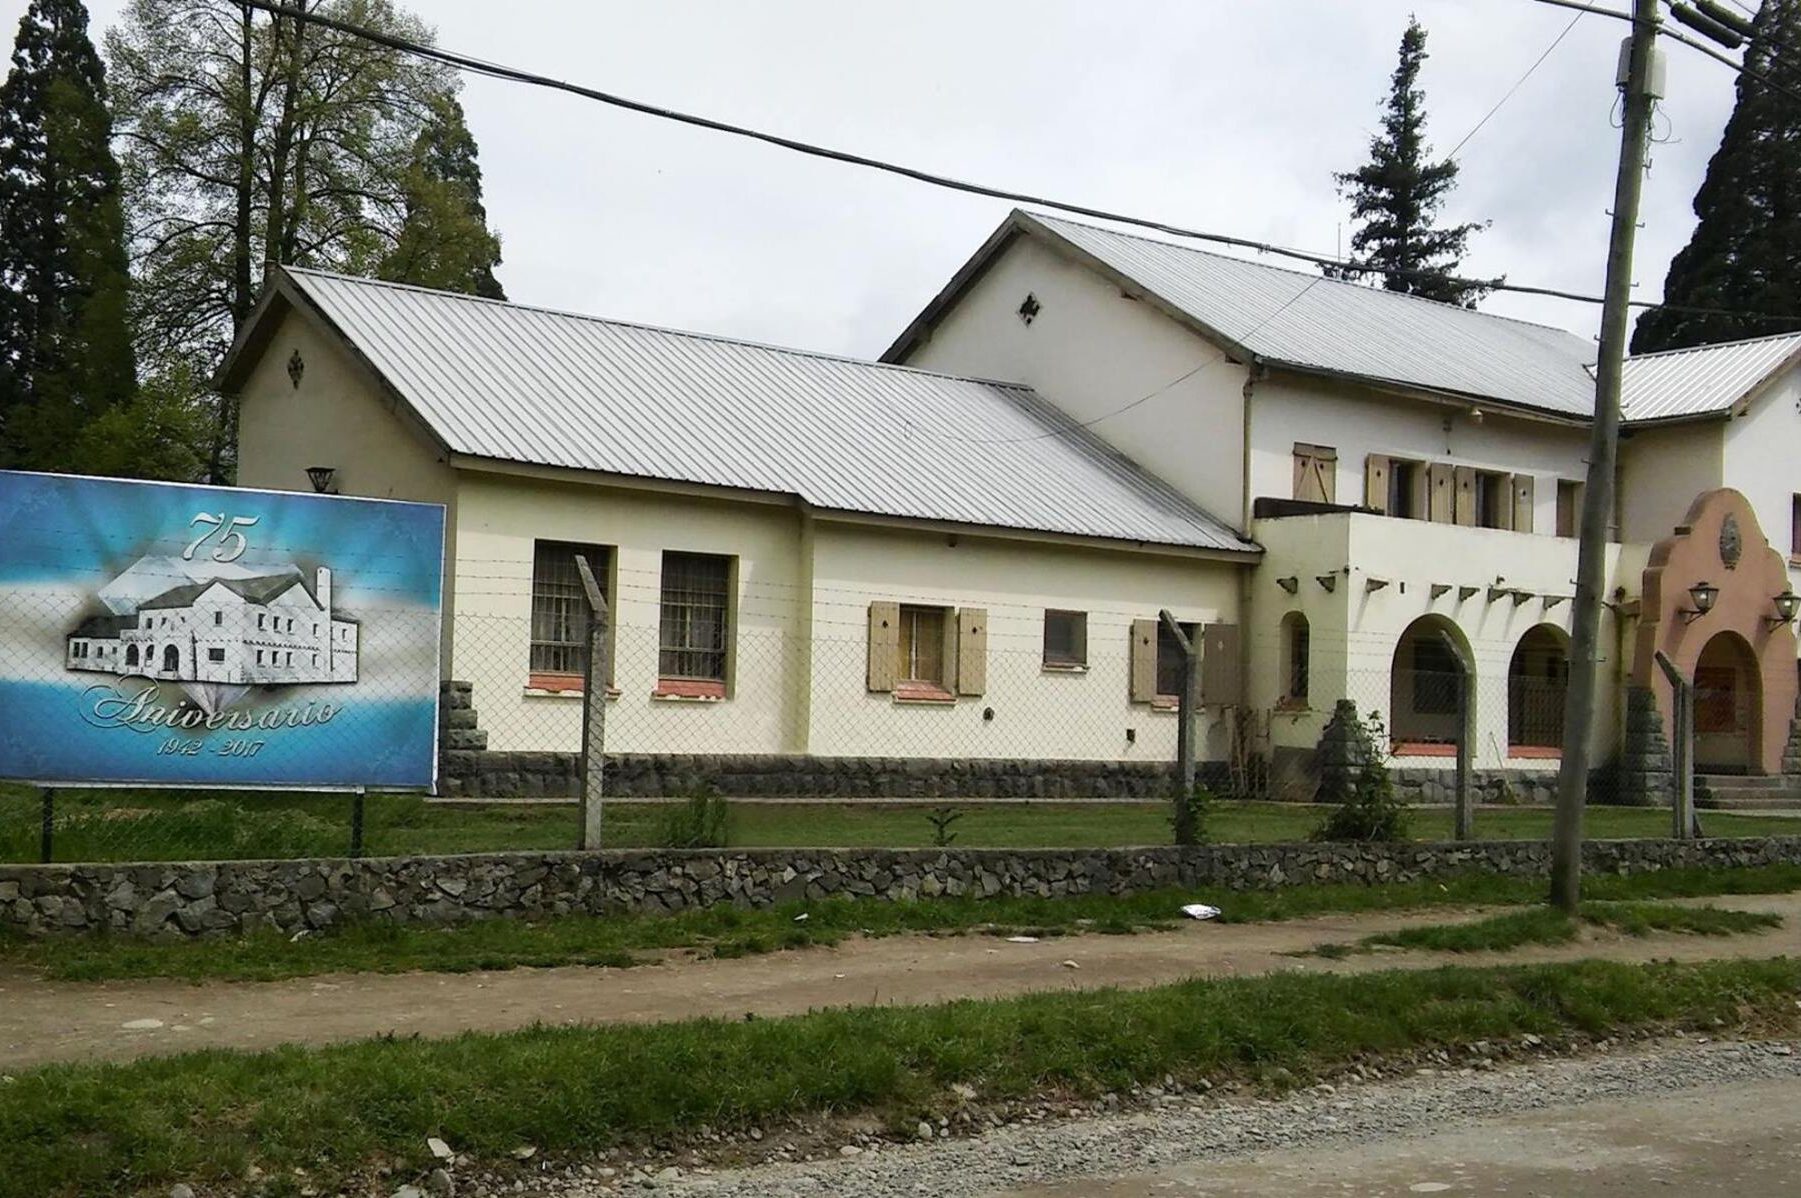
726	931
206	1117
1544	925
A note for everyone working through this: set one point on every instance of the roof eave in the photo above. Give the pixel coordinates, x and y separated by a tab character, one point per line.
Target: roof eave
1511	407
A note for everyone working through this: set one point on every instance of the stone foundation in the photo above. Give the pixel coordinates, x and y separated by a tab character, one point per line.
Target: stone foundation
213	898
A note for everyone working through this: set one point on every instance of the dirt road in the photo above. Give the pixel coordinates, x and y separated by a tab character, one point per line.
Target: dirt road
43	1021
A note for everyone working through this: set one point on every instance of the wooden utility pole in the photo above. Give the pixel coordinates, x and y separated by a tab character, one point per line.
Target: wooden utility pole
596	673
1682	701
1598	494
1188	708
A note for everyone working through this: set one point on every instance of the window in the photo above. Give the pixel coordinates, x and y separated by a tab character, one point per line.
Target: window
259	619
215	655
1315	473
259	657
1794	536
1569	508
560	605
1405	481
1296	646
1494	500
921	644
218	618
1065	639
1171	659
695	611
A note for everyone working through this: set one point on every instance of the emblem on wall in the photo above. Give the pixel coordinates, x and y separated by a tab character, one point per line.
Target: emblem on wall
1731	542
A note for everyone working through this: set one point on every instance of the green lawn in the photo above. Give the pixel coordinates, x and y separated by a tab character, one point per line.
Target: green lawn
1545	925
335	1111
116	825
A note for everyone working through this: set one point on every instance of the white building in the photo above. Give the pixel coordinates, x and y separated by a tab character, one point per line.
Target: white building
269	629
806	554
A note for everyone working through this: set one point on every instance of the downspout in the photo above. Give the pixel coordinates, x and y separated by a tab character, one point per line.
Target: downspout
1254	373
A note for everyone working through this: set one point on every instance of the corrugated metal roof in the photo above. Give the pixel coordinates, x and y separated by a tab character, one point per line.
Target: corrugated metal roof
1700	381
523	384
1302	320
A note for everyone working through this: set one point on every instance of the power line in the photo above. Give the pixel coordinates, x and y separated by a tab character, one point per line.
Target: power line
1517	84
493	70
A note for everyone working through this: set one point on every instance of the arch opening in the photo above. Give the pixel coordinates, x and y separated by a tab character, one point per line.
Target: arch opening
1297	650
1728	707
171	659
1425	678
1537	678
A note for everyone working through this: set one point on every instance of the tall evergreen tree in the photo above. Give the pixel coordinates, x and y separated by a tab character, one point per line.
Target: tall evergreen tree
445	241
1398	192
65	352
1745	254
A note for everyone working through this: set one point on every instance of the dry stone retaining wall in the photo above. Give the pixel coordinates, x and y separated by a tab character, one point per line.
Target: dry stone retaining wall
195	899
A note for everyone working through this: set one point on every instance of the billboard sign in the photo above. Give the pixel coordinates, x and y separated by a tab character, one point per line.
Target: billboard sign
161	634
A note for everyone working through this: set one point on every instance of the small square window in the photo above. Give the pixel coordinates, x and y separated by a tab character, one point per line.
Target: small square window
1065	638
922	644
1171	661
215	655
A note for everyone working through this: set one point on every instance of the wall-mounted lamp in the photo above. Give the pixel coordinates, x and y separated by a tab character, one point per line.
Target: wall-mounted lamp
1702	594
1328	582
1787	604
320	477
1291	584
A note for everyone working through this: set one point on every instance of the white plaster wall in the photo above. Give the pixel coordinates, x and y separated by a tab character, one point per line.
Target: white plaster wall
1762	460
498	518
1356	629
1357	422
1091	351
1662	469
1037	713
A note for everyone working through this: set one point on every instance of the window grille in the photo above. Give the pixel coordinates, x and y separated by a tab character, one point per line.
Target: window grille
695	610
560	605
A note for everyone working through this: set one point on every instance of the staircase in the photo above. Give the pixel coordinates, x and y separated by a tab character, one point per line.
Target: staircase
1747	792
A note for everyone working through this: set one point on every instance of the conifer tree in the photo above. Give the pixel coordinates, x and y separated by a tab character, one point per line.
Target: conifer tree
1745	254
65	350
1398	192
445	241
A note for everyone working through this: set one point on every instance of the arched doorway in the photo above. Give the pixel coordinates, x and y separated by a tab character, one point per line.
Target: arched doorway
1728	707
1429	663
171	660
1537	678
131	655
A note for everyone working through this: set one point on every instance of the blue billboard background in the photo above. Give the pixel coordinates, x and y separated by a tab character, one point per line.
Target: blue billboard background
174	635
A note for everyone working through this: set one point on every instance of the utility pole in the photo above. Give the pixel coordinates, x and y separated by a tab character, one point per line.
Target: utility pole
1640	89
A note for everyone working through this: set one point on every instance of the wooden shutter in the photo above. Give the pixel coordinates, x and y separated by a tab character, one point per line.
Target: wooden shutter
1375	483
1144	661
1441	497
1522	502
972	650
1219	665
1315	473
1465	477
884	644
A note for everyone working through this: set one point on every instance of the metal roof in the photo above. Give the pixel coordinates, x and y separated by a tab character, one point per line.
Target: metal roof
1304	321
1702	381
504	381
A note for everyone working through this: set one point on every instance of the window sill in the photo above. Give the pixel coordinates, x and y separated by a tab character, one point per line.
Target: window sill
1292	707
923	692
1412	748
690	690
1168	704
1535	752
1064	667
564	692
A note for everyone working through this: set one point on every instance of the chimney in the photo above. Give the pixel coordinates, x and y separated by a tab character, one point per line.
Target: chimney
322	587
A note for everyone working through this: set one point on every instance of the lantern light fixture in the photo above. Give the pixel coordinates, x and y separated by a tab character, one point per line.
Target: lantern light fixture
320	477
1787	604
1703	594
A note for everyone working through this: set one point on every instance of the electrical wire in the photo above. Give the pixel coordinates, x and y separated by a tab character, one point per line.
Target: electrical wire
493	70
1518	83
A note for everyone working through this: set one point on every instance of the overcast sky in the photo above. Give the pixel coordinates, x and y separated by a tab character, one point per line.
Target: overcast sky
1220	114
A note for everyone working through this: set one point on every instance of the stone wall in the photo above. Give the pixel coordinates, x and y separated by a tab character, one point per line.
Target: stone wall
193	899
472	773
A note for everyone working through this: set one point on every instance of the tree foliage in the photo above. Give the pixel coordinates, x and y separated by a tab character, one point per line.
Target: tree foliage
252	139
1398	192
445	242
65	353
1745	254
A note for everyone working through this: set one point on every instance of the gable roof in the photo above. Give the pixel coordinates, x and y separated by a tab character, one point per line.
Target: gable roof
502	381
1305	322
260	589
1707	380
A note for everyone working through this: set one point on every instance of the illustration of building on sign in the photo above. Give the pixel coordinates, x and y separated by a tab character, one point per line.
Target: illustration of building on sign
238	629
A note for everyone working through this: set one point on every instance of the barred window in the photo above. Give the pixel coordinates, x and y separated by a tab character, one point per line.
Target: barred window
560	605
695	610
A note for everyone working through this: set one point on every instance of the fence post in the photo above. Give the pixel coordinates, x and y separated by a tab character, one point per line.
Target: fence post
596	673
356	823
1682	753
1466	804
47	826
1188	708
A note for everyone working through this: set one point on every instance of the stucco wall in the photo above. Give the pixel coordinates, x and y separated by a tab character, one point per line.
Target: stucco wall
1662	469
1761	451
1036	712
1092	350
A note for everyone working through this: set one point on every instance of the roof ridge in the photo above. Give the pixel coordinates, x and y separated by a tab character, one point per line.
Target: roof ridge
1290	270
719	338
1695	349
